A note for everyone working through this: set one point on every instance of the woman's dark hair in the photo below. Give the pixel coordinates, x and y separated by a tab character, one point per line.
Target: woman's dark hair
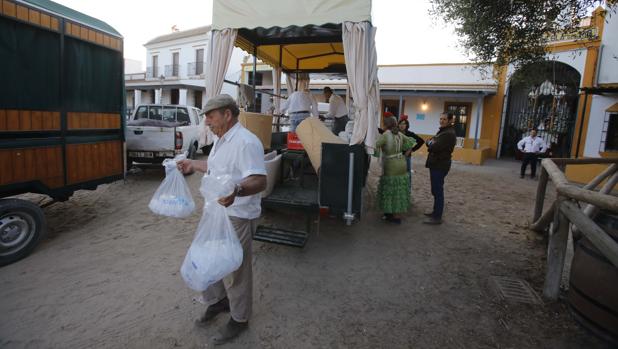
405	122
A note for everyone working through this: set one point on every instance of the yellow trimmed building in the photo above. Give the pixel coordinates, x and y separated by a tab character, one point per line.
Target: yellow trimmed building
572	98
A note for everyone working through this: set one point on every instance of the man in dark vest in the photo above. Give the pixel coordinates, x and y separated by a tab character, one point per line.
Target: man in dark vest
440	149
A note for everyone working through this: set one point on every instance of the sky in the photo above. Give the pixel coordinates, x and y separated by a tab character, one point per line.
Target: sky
406	33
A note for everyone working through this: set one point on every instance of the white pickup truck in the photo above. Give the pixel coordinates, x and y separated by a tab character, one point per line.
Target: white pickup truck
156	132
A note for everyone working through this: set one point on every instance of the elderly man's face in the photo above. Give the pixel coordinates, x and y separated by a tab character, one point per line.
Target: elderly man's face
327	96
219	121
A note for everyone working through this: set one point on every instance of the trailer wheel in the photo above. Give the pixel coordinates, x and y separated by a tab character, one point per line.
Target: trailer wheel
22	225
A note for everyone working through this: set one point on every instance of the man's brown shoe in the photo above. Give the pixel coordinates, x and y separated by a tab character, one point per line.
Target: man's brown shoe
428	214
212	312
230	331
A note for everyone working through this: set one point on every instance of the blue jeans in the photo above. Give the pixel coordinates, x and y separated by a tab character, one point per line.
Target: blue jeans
437	190
296	119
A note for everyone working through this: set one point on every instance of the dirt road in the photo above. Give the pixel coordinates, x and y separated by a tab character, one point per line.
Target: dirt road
107	276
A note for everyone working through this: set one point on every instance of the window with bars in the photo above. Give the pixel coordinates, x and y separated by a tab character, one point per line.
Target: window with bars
609	139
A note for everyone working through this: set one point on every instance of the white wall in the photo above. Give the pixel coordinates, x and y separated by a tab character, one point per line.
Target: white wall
608	73
435	107
574	58
186	48
595	125
435	74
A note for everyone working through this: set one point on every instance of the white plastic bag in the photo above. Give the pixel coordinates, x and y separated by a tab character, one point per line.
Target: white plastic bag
215	251
173	197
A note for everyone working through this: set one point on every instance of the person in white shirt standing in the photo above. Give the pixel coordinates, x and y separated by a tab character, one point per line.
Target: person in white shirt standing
531	146
336	110
237	152
299	106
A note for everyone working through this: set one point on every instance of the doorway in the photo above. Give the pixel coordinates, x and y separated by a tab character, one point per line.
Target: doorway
174	96
543	96
392	105
462	116
197	101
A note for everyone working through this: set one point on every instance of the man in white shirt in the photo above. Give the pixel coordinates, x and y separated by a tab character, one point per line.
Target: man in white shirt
336	110
531	146
299	106
237	152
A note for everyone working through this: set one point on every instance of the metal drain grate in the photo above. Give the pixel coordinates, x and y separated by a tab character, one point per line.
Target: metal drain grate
515	290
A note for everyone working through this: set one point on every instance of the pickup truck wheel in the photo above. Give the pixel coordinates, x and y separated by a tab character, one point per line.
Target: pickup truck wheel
22	225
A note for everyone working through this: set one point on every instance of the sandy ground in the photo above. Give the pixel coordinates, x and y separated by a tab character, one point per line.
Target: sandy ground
107	276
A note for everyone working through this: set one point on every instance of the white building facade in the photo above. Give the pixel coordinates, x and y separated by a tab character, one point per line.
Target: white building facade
175	66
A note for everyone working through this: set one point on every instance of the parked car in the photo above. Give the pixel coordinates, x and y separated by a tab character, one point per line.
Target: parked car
156	132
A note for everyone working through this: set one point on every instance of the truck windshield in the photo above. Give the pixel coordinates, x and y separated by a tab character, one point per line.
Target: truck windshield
169	114
142	113
183	116
166	113
154	113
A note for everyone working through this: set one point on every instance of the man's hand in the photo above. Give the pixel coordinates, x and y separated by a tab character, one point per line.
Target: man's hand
185	166
409	153
227	201
188	166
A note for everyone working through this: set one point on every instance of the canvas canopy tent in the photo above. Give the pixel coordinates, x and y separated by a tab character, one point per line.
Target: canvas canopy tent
303	37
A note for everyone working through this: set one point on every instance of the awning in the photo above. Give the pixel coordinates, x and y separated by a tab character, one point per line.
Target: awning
252	14
300	49
298	36
612	109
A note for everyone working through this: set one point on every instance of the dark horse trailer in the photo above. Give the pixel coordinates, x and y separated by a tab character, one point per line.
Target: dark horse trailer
61	112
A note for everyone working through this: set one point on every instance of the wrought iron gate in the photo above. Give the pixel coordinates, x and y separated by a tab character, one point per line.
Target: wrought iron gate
543	96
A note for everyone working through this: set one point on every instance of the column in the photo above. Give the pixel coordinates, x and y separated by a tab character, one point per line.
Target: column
137	98
182	96
158	95
479	113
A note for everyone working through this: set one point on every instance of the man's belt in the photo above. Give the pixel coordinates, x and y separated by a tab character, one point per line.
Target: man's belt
342	116
299	112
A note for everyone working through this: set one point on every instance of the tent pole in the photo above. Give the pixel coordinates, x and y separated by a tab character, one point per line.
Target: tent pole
281	70
254	77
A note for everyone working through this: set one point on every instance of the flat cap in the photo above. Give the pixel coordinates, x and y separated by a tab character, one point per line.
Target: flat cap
217	102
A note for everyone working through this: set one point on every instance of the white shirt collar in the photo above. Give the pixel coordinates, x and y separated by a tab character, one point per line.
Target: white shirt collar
227	136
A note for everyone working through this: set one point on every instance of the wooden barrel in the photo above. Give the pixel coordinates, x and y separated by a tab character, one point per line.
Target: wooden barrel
593	292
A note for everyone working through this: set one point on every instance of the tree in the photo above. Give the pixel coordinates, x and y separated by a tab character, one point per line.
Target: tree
513	31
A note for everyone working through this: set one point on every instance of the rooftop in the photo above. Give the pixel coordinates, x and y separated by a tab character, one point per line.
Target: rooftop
180	34
71	14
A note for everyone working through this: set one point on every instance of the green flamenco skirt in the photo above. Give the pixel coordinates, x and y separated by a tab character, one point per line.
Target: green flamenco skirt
394	193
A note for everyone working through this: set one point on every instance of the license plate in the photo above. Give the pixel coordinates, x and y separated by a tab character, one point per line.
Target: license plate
141	154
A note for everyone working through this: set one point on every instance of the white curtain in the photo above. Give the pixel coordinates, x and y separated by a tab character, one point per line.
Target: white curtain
361	62
277	90
217	59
